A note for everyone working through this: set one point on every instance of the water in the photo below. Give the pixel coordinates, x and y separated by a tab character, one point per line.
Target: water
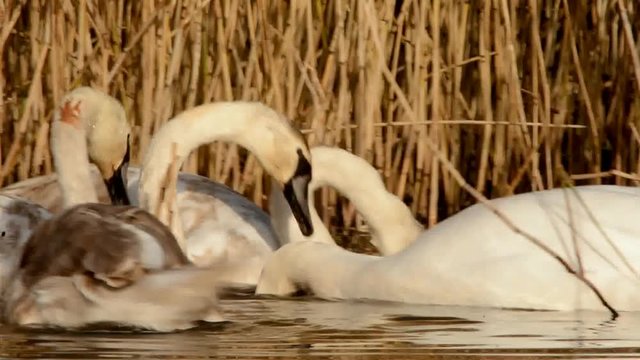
311	328
305	328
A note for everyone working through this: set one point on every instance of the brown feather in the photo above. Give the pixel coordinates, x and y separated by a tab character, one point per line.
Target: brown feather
89	238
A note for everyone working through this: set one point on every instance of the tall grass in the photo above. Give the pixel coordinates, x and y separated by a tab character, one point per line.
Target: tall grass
515	95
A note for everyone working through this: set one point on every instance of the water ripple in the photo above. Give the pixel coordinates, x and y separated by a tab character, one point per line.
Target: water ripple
303	328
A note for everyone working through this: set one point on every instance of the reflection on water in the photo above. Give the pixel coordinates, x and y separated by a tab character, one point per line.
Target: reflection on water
263	327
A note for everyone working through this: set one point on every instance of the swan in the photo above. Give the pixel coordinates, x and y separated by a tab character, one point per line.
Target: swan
106	142
474	259
278	146
211	214
219	225
391	222
94	262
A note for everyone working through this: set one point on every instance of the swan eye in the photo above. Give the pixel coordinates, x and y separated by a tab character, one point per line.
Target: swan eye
3	234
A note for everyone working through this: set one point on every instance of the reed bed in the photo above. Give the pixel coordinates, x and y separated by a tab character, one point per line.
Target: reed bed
511	95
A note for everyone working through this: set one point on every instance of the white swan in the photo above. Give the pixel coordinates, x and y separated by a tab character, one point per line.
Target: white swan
106	143
218	222
219	225
96	262
390	221
278	146
474	259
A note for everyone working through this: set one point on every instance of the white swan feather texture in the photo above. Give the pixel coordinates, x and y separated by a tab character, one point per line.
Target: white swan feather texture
473	258
218	225
391	223
278	146
91	262
216	220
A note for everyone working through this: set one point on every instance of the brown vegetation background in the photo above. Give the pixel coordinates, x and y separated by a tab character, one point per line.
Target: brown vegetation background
514	95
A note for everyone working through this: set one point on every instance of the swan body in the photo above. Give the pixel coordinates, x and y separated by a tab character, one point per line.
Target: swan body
278	146
97	263
45	190
215	219
93	261
391	223
216	224
473	258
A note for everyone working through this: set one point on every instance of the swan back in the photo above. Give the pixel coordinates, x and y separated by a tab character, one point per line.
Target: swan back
220	225
99	238
474	259
392	224
45	190
107	248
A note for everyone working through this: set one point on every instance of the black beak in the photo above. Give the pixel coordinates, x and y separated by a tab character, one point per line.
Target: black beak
296	192
117	183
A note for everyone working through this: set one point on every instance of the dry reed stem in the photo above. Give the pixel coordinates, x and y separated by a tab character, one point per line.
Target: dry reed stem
485	82
504	218
583	87
628	35
435	113
507	221
514	94
167	210
12	157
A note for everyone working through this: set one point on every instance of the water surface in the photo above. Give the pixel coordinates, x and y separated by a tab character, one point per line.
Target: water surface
305	328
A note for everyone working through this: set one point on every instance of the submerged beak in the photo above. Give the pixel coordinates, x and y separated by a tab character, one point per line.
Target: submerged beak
296	192
117	183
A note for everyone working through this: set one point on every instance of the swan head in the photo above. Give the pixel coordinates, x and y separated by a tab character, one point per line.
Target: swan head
295	191
107	132
291	170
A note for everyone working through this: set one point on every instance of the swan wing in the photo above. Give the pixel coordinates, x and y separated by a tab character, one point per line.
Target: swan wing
115	244
474	258
46	191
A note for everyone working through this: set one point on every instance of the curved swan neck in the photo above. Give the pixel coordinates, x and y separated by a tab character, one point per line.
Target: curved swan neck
392	224
69	152
88	126
250	125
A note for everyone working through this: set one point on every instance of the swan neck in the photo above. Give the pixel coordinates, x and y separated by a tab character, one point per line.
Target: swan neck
391	223
177	139
71	161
